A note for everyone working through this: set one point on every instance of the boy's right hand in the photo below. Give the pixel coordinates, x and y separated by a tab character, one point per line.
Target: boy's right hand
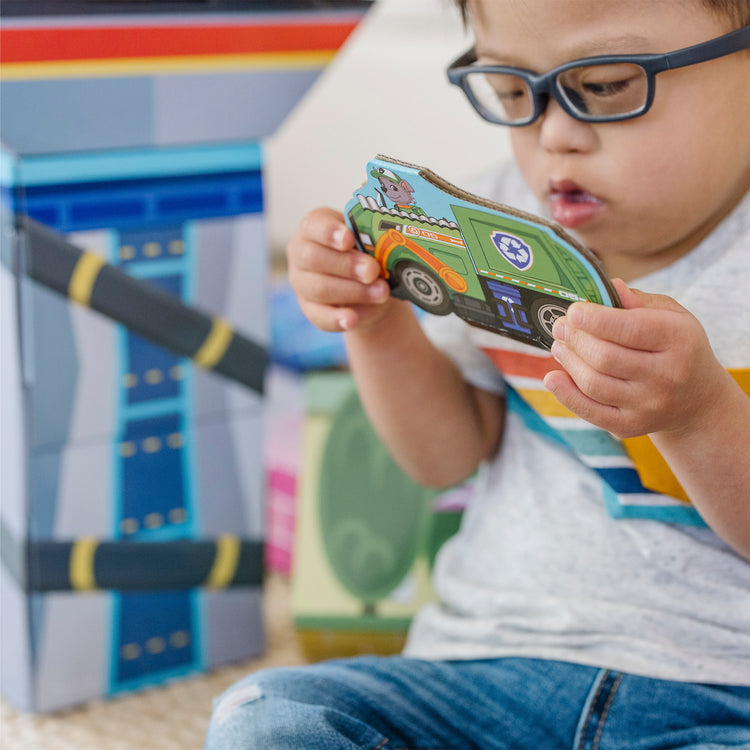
338	287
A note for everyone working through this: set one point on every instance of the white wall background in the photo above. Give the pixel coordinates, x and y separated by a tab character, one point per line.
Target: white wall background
385	92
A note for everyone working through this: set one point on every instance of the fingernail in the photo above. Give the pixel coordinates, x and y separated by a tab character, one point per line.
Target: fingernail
362	271
557	350
343	323
377	291
338	237
558	328
575	315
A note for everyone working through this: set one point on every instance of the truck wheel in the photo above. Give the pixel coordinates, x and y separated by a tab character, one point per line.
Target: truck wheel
423	287
544	313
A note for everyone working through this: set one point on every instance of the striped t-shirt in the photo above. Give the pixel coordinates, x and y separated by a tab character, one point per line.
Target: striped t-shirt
580	547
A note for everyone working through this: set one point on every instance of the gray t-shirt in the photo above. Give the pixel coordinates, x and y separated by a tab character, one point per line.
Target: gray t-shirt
545	565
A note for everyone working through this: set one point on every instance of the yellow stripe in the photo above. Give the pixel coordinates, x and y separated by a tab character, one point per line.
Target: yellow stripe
194	64
545	403
215	345
81	565
653	470
84	277
225	562
742	376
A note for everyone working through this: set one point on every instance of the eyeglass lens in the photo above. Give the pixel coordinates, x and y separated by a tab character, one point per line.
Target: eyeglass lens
593	91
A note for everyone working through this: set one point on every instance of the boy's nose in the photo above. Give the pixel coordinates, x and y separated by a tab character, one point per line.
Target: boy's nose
559	132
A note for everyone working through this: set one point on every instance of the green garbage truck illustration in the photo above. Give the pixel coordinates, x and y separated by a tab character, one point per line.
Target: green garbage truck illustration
449	251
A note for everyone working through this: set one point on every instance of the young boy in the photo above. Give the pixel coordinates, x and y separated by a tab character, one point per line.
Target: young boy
581	604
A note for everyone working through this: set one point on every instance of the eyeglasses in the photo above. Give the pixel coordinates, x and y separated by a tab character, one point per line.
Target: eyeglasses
607	88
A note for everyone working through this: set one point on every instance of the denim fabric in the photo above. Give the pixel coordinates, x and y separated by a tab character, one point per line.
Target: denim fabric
525	704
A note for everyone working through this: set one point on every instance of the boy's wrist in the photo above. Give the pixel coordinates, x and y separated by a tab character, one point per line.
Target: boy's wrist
385	330
721	428
708	459
724	402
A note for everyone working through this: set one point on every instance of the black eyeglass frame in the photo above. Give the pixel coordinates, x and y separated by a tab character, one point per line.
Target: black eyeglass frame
545	85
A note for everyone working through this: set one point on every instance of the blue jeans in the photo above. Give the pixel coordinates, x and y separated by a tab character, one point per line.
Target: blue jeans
525	704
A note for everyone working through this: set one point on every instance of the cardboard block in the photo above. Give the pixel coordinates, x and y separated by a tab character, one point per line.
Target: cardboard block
366	535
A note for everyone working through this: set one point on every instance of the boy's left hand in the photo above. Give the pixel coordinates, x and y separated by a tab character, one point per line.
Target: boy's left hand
645	368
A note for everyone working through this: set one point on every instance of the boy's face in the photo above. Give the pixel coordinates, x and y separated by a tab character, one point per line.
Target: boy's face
644	192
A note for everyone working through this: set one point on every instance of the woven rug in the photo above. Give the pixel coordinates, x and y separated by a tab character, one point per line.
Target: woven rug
172	717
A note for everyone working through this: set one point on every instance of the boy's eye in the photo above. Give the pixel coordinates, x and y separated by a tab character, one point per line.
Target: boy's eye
509	96
605	89
505	93
608	88
506	86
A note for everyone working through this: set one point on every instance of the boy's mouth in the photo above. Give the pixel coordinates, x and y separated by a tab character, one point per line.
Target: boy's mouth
571	205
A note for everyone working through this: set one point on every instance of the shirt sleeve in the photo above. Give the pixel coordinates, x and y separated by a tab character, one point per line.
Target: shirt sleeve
454	338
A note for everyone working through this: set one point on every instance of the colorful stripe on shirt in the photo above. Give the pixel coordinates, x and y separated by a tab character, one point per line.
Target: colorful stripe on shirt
622	471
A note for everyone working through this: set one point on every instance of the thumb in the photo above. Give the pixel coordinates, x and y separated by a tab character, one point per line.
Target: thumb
630	298
633	298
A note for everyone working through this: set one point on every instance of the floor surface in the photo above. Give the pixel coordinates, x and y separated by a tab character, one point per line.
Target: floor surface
172	717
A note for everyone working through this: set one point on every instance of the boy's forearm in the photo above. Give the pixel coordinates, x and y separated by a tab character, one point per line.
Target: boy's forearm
711	463
435	425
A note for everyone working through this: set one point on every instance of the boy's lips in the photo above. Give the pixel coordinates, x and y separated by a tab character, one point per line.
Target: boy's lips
571	205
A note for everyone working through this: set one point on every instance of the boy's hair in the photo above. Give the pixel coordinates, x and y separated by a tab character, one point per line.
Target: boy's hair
737	11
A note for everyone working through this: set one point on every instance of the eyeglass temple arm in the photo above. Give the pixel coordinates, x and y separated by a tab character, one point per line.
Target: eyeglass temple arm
467	58
724	45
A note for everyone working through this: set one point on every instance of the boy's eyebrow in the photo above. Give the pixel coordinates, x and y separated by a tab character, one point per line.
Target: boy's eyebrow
623	44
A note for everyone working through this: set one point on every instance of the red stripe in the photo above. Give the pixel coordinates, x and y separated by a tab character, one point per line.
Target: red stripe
48	44
521	365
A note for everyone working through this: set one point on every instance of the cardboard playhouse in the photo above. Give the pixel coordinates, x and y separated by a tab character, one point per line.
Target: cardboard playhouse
366	535
131	476
133	332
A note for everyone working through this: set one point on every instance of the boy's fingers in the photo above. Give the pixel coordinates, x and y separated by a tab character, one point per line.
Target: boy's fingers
602	356
648	325
324	244
335	290
633	298
337	318
317	258
326	226
630	298
328	318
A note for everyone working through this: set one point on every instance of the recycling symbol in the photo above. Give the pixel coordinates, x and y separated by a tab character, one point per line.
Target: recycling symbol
513	249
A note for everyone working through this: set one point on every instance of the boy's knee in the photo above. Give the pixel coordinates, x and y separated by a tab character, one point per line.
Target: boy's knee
255	696
267	686
235	699
285	708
